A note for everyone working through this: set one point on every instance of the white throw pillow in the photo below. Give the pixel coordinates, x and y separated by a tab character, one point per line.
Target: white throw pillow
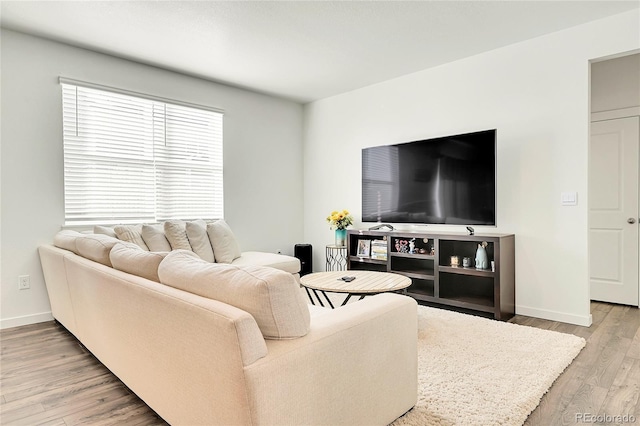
271	296
105	230
153	236
225	246
133	260
131	234
176	233
96	247
66	239
199	240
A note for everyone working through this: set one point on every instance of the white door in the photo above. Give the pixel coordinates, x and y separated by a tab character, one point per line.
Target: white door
614	161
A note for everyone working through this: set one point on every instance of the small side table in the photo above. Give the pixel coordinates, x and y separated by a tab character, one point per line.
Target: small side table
336	257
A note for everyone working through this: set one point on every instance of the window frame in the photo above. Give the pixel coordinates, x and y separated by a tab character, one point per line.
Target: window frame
196	162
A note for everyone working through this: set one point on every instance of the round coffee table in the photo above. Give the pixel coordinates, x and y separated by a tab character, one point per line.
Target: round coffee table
366	283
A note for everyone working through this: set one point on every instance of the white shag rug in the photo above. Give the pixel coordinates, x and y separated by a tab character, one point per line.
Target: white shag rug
481	372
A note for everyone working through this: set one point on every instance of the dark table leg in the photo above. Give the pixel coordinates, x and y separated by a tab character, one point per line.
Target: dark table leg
347	299
309	294
328	300
318	297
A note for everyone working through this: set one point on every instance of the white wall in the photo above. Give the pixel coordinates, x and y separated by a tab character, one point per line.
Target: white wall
536	93
262	157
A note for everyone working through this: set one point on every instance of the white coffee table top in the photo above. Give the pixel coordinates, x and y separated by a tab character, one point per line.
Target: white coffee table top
366	282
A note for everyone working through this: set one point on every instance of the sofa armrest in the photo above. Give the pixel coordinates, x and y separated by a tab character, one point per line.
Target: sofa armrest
357	365
55	278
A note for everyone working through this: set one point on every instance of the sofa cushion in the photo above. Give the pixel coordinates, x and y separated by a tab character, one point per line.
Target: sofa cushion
132	259
66	239
223	241
176	233
96	247
199	239
131	234
154	238
271	296
105	230
284	263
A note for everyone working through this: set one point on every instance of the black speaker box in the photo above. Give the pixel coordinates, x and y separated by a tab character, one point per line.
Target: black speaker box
303	253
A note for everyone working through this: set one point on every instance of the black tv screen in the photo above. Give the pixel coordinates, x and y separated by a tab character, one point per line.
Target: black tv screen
447	180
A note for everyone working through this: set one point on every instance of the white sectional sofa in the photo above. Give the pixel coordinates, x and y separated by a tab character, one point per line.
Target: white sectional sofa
207	343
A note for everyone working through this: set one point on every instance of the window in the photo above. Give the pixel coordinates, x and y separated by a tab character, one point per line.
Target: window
132	159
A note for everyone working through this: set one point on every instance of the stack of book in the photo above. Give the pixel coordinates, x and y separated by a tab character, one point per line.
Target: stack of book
379	249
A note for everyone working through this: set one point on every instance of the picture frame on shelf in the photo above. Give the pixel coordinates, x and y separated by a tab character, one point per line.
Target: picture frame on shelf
364	248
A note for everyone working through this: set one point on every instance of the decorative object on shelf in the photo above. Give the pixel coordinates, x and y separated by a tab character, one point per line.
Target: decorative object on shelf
379	249
401	246
340	221
433	251
455	261
412	246
425	249
482	260
466	262
493	266
364	248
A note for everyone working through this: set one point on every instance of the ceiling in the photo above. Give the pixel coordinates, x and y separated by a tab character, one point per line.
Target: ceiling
300	50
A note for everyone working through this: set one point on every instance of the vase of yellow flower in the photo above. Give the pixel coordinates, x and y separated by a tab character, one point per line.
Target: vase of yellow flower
340	221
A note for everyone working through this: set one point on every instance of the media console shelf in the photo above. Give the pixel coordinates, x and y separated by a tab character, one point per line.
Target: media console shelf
434	279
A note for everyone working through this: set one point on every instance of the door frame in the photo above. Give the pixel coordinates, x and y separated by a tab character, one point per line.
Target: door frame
603	116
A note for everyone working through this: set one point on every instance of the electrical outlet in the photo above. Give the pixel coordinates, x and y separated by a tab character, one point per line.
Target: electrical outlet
24	282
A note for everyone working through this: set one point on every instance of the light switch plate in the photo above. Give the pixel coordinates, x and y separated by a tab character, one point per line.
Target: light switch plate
569	198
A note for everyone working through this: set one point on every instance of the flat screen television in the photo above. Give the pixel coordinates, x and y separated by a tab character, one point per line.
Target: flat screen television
448	180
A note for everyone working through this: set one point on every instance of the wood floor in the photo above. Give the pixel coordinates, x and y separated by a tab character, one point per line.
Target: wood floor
48	378
604	379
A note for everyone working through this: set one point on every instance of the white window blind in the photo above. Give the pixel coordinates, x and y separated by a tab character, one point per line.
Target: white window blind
130	159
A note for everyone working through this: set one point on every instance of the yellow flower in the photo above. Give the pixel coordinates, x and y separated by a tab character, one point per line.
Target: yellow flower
340	219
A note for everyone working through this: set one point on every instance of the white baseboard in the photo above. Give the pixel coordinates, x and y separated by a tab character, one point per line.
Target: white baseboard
25	320
584	321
